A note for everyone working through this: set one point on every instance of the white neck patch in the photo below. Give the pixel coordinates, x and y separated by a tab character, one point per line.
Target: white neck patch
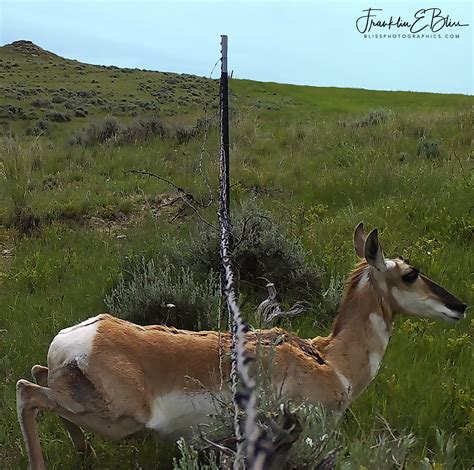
345	382
364	279
381	332
375	359
379	327
380	280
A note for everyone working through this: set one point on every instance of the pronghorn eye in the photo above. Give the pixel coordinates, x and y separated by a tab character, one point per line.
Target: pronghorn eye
411	276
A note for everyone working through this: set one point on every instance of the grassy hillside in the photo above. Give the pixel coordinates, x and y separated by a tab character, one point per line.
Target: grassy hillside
319	159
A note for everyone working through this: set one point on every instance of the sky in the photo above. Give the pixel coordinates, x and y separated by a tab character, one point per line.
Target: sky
301	42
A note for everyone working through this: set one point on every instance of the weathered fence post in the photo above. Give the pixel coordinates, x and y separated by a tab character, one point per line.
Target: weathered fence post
249	454
224	121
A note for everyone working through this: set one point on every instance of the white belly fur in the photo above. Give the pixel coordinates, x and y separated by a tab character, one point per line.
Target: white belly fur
178	413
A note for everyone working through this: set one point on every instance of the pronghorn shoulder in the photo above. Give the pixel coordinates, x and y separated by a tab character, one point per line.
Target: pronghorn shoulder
290	343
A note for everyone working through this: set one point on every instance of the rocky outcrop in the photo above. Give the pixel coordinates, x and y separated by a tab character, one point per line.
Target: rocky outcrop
29	48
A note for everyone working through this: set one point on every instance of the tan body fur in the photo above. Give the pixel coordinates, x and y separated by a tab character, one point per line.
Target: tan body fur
115	378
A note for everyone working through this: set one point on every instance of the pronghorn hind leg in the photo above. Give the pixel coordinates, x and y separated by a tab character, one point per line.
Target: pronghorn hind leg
79	441
29	399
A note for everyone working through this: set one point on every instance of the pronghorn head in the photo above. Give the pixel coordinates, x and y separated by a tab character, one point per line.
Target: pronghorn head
402	285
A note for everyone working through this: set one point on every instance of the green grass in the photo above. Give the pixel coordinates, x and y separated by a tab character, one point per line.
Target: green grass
292	153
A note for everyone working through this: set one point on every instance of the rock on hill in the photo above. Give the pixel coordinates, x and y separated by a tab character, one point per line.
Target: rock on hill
29	48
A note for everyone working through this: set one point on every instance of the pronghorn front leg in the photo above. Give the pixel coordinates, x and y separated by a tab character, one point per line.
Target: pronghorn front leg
79	441
29	399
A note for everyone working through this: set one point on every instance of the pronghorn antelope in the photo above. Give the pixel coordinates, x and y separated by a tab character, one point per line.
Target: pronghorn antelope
115	378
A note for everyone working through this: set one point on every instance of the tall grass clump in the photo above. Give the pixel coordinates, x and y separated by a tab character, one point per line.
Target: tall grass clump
17	163
429	148
41	127
101	132
158	293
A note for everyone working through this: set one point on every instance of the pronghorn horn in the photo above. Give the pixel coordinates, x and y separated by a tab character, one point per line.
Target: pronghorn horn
359	240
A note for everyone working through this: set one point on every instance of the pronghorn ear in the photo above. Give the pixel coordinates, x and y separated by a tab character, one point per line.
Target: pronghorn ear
359	240
373	251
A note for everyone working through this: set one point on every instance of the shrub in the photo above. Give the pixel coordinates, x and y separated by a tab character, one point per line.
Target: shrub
40	128
184	134
58	99
112	131
161	294
372	118
57	116
41	103
263	248
97	132
86	93
12	112
70	104
331	296
80	113
429	148
143	130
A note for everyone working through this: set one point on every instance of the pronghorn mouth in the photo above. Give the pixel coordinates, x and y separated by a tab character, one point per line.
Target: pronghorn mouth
455	316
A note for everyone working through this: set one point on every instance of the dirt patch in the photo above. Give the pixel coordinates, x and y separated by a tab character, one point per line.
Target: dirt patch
163	206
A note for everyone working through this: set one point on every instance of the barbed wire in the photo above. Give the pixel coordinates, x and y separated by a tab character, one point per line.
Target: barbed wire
249	452
243	385
207	100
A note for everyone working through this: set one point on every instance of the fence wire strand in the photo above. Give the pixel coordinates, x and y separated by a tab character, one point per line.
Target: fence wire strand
249	454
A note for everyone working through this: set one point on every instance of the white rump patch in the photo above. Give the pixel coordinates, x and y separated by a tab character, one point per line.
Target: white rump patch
177	413
80	325
380	329
73	343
